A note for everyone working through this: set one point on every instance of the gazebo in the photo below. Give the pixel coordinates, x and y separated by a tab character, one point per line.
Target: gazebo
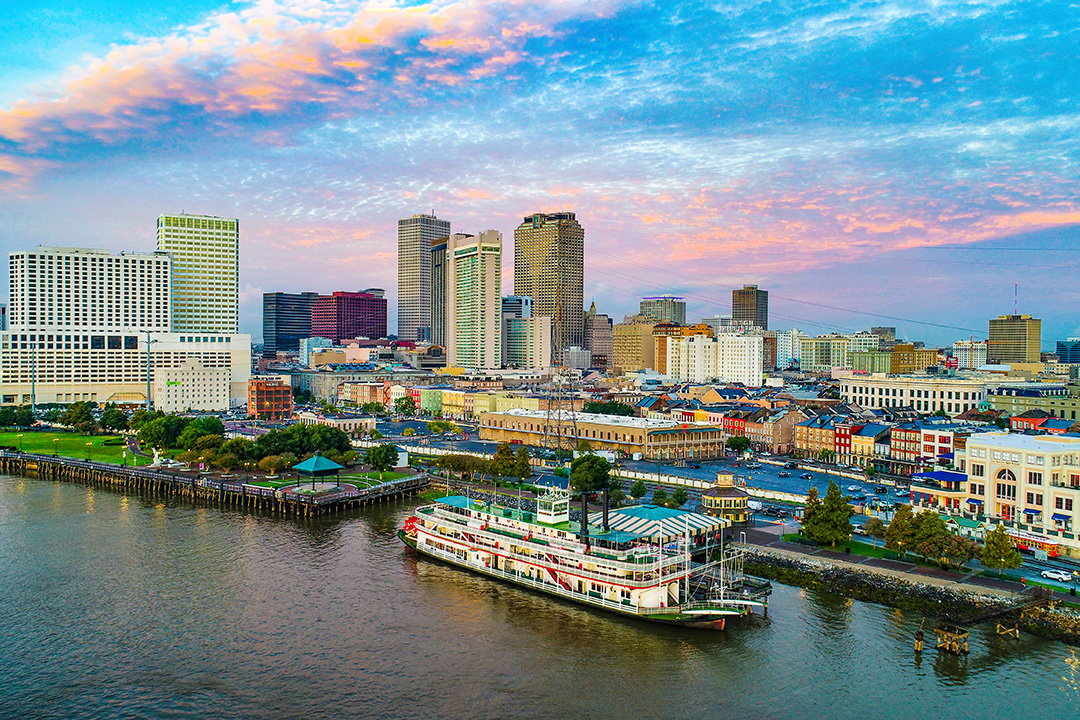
316	467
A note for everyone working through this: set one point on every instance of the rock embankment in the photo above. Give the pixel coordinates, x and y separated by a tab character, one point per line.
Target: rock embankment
942	601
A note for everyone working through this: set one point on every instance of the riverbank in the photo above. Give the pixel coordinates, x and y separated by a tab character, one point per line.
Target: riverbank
936	597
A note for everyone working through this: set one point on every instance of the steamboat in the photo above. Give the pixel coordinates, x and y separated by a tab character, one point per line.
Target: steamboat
646	562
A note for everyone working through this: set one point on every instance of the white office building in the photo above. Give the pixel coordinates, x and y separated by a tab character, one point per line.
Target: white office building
474	300
415	236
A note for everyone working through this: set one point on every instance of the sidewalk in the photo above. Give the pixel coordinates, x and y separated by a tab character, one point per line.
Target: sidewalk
769	539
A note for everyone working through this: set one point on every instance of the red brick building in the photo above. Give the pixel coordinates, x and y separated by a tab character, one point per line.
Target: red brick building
347	315
269	398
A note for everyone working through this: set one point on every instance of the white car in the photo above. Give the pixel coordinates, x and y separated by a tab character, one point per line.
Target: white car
1059	575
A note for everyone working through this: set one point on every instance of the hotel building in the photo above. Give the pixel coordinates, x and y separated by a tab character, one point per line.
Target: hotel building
205	271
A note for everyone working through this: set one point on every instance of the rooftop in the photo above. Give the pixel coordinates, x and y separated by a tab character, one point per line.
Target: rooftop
1013	441
615	420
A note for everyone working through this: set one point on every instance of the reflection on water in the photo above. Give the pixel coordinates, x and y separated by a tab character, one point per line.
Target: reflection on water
118	605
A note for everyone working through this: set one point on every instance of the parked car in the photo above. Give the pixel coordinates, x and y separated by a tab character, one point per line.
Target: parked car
881	490
1059	575
791	466
807	476
783	473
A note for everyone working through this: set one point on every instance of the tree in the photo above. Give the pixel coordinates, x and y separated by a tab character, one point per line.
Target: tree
77	413
680	496
113	417
900	534
659	496
7	416
738	444
590	474
831	523
609	408
226	461
405	406
382	457
208	443
376	435
373	408
826	455
956	551
274	464
616	495
811	509
930	533
583	446
998	552
638	489
522	466
408	432
504	461
875	528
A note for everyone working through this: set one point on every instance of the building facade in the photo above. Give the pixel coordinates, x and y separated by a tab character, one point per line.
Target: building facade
599	338
269	398
286	319
192	387
925	393
415	237
969	354
347	315
527	342
751	306
474	300
205	271
549	262
1068	351
438	292
1015	339
633	348
664	308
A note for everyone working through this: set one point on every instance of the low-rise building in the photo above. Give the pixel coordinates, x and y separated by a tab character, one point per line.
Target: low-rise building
926	393
1061	401
191	386
351	424
653	438
269	398
726	500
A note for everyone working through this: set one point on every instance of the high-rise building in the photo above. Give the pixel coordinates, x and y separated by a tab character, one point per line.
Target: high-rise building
205	271
347	315
474	300
728	358
286	319
666	337
3	317
969	354
415	238
633	346
308	346
1015	339
549	262
599	338
787	348
665	308
88	325
437	336
887	335
750	305
517	306
577	358
1068	351
527	342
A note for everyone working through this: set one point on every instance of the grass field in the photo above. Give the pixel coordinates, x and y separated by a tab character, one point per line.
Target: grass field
71	445
857	548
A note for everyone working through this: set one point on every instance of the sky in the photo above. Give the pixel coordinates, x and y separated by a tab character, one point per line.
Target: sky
893	162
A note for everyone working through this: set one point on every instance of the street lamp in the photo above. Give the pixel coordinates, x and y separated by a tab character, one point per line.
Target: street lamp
54	441
88	451
20	442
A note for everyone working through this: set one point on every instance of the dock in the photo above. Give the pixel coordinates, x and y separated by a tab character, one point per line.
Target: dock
202	488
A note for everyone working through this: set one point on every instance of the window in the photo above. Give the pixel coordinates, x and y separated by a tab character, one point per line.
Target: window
1035	478
1006	475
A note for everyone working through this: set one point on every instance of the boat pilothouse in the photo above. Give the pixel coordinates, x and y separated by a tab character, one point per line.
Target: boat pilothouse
642	564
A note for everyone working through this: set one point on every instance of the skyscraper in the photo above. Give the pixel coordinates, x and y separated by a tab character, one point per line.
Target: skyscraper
205	271
1015	339
286	319
438	292
599	338
549	260
347	315
751	306
665	308
415	236
474	300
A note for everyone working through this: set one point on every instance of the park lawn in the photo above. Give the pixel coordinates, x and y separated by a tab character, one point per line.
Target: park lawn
386	476
857	547
71	445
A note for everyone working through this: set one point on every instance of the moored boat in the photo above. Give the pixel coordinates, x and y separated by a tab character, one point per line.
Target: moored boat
641	564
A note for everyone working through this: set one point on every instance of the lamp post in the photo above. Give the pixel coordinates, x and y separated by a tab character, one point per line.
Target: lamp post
88	451
149	342
20	441
54	441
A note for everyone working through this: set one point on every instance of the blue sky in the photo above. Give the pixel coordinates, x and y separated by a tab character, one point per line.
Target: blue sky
862	161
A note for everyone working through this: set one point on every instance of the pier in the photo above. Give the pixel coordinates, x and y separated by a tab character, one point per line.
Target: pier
202	488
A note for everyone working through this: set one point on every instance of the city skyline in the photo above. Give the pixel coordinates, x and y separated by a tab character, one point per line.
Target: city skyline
863	158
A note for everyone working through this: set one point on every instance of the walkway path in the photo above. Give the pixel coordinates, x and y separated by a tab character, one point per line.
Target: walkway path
769	540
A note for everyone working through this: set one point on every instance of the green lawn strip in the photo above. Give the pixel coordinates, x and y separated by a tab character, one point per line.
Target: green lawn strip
857	548
104	448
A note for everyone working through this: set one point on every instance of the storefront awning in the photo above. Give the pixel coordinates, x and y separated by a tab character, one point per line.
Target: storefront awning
1061	517
973	501
1029	511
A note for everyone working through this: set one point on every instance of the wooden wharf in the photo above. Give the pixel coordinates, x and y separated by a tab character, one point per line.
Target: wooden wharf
224	492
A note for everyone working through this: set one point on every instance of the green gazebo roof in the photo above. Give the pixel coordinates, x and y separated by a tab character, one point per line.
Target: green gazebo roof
317	466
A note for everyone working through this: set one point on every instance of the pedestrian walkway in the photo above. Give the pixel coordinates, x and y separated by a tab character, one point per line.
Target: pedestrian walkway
769	539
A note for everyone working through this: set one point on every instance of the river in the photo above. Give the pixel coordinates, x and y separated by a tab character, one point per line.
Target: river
119	606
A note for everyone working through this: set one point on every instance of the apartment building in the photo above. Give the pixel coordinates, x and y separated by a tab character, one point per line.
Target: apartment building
925	393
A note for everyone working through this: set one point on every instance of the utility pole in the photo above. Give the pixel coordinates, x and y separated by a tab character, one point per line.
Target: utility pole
148	343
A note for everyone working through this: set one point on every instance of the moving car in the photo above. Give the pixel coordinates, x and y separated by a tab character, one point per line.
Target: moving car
1059	575
791	466
854	488
807	476
783	473
881	490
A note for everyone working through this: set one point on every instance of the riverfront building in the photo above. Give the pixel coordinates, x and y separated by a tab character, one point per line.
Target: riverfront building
205	271
416	236
653	438
549	267
1029	483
